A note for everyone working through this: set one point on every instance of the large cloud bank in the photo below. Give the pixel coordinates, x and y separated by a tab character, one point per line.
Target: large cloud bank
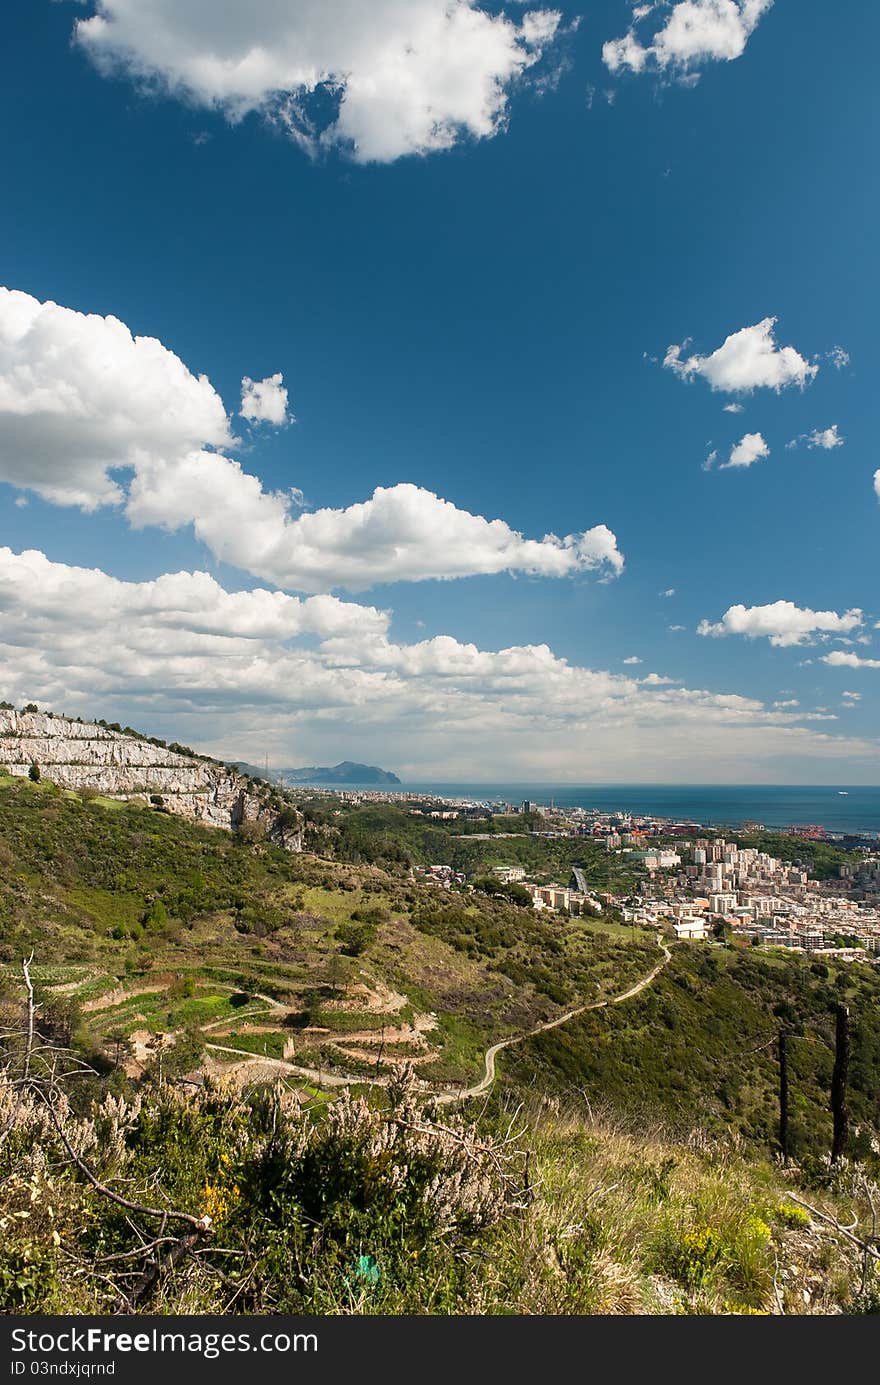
237	671
92	415
396	76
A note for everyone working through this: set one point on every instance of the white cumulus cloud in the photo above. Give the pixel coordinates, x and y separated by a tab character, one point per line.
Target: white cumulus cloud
402	533
81	398
91	415
746	360
782	622
383	79
839	658
633	659
265	401
694	32
826	438
750	449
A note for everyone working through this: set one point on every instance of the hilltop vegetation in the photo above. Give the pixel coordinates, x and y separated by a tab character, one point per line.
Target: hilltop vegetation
700	1046
144	925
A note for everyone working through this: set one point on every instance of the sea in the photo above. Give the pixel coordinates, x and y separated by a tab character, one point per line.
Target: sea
846	809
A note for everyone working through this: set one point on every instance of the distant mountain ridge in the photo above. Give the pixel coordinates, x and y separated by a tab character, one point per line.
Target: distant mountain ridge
346	772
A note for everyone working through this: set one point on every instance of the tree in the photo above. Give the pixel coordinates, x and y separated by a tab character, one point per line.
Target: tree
783	1095
518	894
35	774
355	937
122	1046
839	1081
155	914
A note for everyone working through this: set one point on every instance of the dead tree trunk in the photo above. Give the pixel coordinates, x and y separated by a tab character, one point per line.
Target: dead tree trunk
783	1095
838	1085
162	1264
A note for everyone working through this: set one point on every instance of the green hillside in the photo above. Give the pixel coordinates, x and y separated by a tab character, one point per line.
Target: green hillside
142	924
203	1000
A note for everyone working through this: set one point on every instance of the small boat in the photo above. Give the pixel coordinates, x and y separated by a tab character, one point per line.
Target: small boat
844	793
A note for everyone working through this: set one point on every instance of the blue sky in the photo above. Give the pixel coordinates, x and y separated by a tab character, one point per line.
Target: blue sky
487	322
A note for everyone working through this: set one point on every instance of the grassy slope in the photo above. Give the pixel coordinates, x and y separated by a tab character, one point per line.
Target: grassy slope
228	924
628	1213
552	1212
700	1047
165	926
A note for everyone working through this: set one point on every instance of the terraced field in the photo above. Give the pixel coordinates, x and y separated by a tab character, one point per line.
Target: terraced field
160	943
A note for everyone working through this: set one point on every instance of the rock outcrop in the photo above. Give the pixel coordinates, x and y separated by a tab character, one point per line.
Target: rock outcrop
86	756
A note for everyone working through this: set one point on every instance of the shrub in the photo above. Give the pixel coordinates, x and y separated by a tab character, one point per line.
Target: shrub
356	937
26	1273
390	1184
695	1255
792	1216
251	832
730	1253
375	914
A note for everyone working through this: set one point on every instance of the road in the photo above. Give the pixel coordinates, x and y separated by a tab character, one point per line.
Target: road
325	1079
491	1053
316	1076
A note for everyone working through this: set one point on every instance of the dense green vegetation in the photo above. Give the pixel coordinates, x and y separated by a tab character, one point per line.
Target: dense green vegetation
270	1204
386	835
565	959
166	927
700	1046
165	923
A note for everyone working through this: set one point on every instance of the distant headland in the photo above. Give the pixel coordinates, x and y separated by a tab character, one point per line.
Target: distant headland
346	772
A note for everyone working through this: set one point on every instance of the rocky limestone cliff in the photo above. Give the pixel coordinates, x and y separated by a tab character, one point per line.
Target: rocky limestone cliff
82	755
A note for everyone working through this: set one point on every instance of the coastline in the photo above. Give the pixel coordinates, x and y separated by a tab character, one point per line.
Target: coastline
852	810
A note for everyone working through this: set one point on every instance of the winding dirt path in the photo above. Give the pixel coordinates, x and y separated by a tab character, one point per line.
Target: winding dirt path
317	1077
488	1077
489	1067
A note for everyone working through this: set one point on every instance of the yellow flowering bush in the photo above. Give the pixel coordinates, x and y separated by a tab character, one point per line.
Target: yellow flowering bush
792	1216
